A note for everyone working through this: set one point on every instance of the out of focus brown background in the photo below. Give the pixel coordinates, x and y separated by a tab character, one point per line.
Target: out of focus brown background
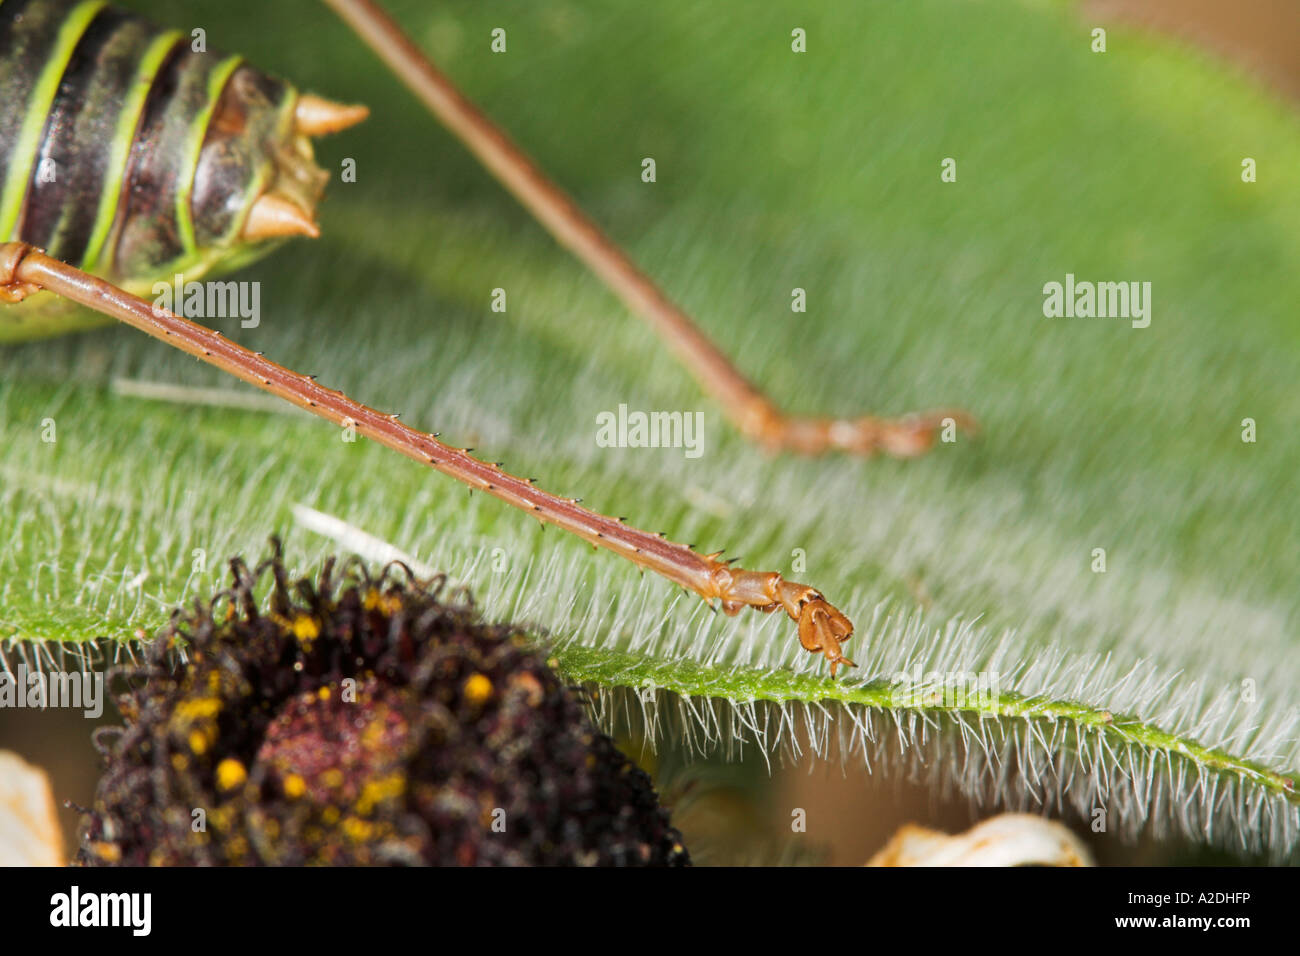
1261	35
850	813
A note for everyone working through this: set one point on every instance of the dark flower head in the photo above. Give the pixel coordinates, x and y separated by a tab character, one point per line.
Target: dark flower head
360	721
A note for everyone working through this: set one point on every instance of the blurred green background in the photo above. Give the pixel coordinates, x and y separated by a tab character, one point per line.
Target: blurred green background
775	170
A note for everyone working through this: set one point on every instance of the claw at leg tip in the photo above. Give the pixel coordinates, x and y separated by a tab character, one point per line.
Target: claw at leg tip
840	662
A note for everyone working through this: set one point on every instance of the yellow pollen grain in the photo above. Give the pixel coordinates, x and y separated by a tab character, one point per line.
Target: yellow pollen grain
332	778
237	847
305	628
373	736
388	604
357	830
377	791
198	741
478	689
294	786
230	774
198	708
323	693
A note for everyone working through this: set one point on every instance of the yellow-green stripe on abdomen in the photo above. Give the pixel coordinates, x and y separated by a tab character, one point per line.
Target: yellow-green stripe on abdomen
156	220
131	105
88	135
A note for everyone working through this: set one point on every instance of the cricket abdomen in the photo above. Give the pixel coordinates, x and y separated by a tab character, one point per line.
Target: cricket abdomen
135	154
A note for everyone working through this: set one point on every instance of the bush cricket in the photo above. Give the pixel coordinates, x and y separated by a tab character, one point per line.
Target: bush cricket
127	156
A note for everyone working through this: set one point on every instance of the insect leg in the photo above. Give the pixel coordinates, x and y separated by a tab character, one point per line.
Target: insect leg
751	411
822	628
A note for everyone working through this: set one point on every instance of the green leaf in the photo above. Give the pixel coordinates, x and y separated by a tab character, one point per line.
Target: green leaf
1161	691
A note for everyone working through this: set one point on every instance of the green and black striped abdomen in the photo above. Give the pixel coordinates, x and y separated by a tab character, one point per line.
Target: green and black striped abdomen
71	64
127	153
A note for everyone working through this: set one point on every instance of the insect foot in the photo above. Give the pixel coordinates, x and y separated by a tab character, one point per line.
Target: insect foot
906	437
360	719
822	628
